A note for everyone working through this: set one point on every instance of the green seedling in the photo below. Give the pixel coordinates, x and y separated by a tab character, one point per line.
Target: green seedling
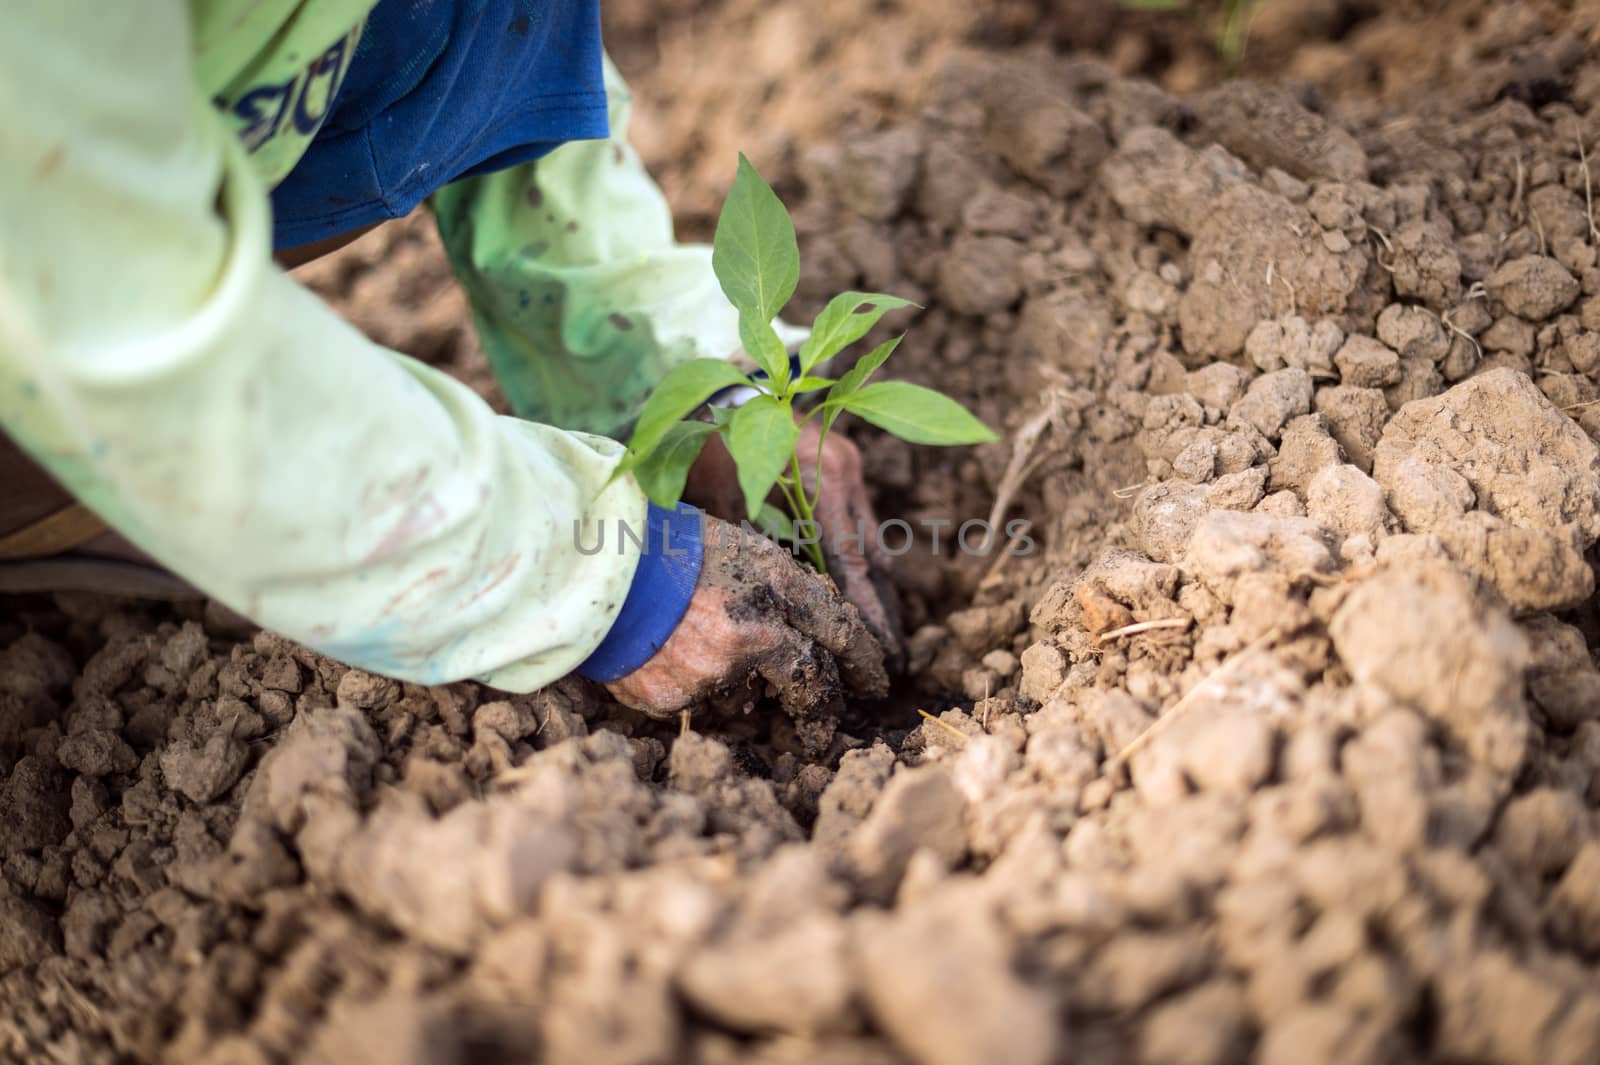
1231	30
757	263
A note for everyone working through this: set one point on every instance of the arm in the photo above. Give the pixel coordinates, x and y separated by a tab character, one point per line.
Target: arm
229	424
582	297
584	301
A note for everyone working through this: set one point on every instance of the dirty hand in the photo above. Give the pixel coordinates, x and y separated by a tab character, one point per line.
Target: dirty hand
756	615
858	566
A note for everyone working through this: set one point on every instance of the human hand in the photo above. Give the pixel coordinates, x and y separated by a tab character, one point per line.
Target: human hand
858	566
757	614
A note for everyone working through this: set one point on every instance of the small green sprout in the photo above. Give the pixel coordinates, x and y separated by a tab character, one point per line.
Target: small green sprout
757	262
1231	32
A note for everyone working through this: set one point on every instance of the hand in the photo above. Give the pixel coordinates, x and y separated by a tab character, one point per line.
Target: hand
756	613
859	567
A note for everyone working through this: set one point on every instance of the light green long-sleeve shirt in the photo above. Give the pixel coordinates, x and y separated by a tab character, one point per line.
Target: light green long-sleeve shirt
227	422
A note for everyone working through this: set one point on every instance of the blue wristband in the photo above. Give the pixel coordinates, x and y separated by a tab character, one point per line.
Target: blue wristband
668	571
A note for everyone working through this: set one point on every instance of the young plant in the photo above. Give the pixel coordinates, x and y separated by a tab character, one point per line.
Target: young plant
757	263
1230	34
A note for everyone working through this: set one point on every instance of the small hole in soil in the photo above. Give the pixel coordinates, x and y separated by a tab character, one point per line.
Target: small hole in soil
892	718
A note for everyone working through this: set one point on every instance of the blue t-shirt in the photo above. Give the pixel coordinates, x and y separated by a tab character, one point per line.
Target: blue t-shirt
440	90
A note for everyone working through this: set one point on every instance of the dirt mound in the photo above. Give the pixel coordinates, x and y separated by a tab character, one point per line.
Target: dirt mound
1284	746
773	77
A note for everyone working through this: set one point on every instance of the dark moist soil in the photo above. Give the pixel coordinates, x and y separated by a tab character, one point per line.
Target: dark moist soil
1299	381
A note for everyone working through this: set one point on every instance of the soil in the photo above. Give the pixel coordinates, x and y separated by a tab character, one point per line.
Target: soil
1282	747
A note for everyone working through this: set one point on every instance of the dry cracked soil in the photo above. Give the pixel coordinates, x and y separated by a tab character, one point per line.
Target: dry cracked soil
1283	747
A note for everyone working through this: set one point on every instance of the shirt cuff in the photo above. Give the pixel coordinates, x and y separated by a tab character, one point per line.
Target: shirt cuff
738	395
669	569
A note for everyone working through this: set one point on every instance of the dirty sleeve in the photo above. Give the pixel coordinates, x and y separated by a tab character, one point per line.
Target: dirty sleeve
582	295
231	425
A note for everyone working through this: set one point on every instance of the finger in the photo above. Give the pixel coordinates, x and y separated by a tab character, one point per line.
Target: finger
763	580
852	568
806	678
844	510
852	546
804	675
821	613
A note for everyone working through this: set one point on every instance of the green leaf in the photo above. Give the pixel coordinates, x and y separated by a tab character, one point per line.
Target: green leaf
811	384
843	322
662	473
754	253
774	522
853	379
761	343
1155	5
761	441
917	414
681	391
864	368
